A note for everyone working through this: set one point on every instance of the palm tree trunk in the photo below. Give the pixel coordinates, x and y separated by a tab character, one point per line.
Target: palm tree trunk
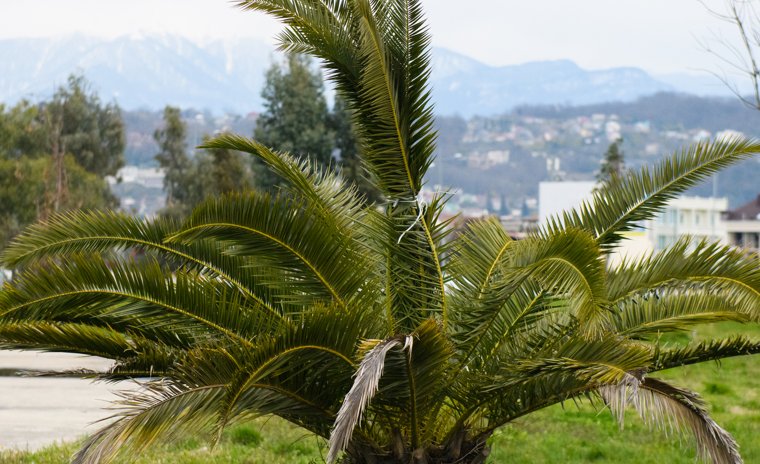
469	452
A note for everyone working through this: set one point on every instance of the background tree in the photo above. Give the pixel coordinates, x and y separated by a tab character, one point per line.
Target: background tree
172	157
22	132
41	148
229	171
295	117
26	196
347	147
190	180
741	60
613	163
93	132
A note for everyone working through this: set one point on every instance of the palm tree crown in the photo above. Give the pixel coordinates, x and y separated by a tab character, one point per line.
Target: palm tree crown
372	327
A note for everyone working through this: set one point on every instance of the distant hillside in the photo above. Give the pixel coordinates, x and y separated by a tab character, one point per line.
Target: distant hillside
664	110
568	142
226	76
467	87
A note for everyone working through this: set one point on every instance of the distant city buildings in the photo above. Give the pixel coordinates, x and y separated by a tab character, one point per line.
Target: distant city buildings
139	189
743	226
697	217
702	218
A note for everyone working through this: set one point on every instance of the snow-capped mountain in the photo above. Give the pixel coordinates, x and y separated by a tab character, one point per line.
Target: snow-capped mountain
140	71
151	71
465	86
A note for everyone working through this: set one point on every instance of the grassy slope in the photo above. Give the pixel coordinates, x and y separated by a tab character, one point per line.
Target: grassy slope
571	435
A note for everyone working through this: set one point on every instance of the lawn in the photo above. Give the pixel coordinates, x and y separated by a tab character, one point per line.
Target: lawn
570	435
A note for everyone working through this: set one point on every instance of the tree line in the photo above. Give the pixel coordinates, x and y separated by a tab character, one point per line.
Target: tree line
55	155
295	119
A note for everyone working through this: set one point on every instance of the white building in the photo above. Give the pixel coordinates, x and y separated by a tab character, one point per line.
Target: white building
556	197
147	177
698	217
695	216
743	226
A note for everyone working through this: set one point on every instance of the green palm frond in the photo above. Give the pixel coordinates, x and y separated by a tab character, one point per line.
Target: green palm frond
324	29
622	204
568	264
163	412
284	236
480	254
133	295
393	106
86	232
688	264
377	53
492	304
602	362
66	337
709	350
105	232
322	341
411	244
671	312
323	189
554	373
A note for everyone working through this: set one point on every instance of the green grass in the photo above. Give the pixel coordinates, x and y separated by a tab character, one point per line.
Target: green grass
571	434
263	441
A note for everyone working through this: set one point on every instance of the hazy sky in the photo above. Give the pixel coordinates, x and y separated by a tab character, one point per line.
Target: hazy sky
661	36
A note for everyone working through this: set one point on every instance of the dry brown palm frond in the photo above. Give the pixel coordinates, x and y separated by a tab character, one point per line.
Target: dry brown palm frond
675	410
364	388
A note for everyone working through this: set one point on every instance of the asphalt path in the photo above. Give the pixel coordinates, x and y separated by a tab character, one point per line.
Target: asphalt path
37	411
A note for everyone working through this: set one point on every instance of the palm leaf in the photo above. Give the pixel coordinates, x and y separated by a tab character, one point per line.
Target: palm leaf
708	350
284	236
362	391
163	412
566	263
622	204
132	296
673	409
672	312
103	232
709	266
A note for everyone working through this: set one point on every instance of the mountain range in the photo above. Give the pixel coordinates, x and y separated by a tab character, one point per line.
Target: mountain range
150	71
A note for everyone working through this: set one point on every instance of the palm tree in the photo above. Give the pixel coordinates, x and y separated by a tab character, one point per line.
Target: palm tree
371	327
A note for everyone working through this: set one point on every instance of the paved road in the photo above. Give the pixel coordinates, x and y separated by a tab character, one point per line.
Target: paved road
37	411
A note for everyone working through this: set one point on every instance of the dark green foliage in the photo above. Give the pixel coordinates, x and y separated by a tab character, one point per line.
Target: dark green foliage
189	181
54	156
173	158
229	172
92	132
295	117
22	132
613	163
348	148
24	192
